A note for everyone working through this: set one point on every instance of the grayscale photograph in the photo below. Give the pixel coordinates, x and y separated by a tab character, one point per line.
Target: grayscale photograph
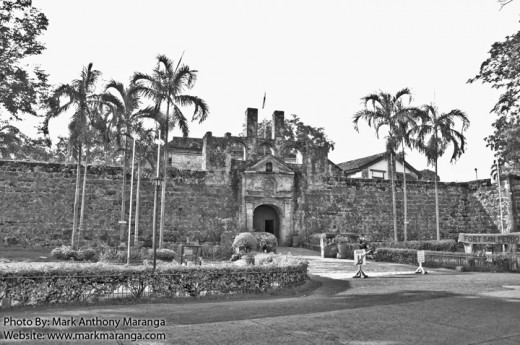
259	172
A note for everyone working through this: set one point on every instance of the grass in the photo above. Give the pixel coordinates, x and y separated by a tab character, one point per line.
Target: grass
17	254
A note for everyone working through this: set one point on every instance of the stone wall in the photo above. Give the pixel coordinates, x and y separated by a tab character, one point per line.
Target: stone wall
365	206
36	204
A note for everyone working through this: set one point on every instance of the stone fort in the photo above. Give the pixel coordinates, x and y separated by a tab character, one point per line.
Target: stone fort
246	183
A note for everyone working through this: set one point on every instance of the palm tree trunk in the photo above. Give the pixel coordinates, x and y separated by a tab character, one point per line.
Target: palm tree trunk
394	209
437	204
405	199
137	200
123	198
165	177
76	199
82	212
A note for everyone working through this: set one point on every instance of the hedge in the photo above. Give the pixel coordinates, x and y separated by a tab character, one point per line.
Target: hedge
29	284
400	256
473	262
442	245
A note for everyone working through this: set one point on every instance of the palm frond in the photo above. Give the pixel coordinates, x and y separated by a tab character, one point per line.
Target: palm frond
179	119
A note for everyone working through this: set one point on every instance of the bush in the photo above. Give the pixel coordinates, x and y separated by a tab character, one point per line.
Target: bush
87	254
62	253
400	256
112	255
224	250
10	241
164	254
245	240
67	253
348	237
72	282
266	242
277	260
442	245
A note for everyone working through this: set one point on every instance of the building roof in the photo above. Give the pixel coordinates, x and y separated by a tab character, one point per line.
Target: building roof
359	164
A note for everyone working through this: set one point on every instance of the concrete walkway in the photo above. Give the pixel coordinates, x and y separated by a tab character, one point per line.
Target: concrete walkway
391	307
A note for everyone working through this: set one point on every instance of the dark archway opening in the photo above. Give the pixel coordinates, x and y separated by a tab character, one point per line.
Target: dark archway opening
265	218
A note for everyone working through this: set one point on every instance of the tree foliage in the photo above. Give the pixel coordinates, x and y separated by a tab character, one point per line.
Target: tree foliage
20	27
501	70
297	131
438	132
79	97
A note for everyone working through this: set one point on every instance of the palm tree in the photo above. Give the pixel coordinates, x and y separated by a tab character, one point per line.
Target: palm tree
127	114
79	96
405	127
165	86
388	110
434	136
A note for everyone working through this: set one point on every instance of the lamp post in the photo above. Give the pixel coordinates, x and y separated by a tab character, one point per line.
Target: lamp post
157	182
130	208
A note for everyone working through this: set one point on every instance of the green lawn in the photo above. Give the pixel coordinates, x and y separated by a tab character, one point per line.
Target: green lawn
14	253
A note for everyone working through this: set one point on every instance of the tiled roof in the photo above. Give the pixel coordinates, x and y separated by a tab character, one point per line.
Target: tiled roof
360	163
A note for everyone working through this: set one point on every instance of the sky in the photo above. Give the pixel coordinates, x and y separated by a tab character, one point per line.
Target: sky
316	59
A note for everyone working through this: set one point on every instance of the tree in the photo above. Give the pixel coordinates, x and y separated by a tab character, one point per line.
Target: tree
165	86
405	126
79	96
297	131
501	71
388	110
126	111
435	135
20	26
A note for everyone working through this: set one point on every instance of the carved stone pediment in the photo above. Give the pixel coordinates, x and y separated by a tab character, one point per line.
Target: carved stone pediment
270	164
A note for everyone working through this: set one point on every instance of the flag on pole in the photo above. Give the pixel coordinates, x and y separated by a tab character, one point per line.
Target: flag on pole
263	104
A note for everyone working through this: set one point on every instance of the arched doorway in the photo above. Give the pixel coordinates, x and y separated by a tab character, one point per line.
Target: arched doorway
265	218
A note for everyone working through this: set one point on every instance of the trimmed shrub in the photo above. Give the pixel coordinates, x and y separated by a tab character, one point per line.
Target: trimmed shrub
224	250
271	259
120	256
474	262
245	240
266	242
30	284
62	253
85	254
400	256
164	254
433	245
67	253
